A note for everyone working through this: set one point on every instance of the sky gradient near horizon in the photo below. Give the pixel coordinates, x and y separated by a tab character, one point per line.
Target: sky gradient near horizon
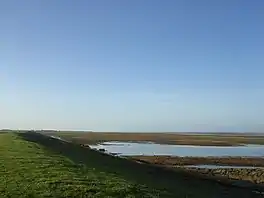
136	65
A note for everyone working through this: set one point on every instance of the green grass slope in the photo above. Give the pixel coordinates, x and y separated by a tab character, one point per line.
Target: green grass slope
33	165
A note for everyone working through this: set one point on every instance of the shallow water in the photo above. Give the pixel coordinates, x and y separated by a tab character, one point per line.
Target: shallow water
150	149
219	166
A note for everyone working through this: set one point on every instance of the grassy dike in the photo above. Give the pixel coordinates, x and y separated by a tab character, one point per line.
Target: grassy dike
34	165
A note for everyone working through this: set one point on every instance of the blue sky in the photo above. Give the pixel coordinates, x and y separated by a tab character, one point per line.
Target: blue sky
136	65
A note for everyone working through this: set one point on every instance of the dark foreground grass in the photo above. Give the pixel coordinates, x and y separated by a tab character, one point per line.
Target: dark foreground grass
29	170
33	165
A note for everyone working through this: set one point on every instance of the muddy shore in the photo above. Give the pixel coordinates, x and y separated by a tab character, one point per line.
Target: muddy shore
180	161
255	176
239	176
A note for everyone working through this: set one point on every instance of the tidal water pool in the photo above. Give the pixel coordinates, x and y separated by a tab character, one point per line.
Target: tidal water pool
151	149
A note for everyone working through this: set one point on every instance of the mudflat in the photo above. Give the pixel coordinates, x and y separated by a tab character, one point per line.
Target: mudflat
221	161
34	165
253	176
203	139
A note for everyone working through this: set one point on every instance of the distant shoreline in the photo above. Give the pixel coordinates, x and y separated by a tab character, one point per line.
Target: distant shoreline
205	139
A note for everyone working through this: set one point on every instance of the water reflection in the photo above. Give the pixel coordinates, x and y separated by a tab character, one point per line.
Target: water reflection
220	166
150	149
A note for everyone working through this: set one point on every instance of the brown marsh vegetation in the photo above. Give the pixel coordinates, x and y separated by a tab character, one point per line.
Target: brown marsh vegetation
216	139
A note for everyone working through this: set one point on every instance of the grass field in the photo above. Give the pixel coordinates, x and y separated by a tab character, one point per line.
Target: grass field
33	165
216	139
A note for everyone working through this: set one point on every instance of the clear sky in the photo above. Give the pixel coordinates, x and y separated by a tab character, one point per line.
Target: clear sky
132	65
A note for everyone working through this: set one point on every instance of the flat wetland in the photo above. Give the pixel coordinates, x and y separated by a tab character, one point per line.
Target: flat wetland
202	139
34	165
183	161
231	167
